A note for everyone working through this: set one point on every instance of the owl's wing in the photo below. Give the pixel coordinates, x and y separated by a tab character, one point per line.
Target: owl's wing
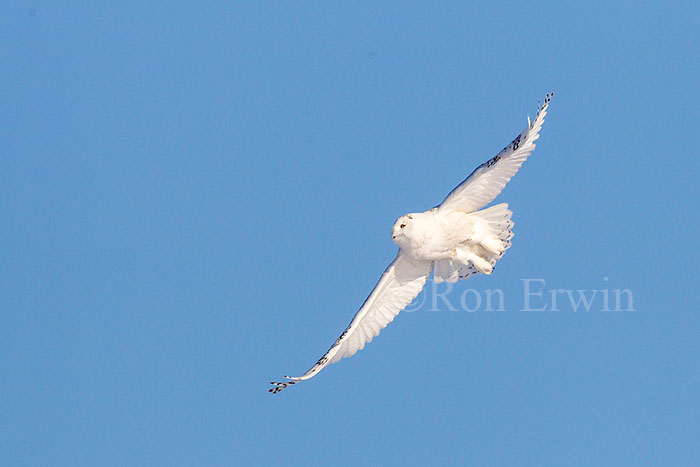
488	180
401	282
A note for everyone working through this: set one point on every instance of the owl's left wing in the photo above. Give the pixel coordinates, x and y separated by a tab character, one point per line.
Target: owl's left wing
401	282
489	179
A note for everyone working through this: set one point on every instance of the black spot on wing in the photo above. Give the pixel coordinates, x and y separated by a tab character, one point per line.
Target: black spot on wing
279	386
337	341
516	143
322	360
491	162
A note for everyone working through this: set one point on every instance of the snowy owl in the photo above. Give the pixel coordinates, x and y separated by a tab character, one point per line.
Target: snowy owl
454	240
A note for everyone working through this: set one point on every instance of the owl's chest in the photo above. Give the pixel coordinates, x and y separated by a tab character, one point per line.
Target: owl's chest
434	238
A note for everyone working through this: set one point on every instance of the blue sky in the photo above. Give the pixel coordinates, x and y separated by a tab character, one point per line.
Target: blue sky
195	200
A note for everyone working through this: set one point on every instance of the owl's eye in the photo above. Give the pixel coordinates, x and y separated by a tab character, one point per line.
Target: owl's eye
402	225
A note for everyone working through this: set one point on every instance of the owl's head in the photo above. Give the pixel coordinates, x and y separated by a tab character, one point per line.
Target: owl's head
402	230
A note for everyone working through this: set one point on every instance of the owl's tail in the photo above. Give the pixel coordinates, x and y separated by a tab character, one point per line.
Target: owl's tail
475	258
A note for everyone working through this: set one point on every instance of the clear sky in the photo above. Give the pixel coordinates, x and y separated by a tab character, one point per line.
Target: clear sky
195	200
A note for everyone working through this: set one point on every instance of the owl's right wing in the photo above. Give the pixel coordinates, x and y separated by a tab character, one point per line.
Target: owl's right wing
401	282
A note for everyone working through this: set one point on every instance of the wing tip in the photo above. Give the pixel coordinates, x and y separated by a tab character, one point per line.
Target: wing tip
541	110
278	386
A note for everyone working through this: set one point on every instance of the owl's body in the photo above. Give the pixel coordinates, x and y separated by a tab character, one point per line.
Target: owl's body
459	243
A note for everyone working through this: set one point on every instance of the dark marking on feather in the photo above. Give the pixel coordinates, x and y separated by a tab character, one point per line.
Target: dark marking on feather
491	162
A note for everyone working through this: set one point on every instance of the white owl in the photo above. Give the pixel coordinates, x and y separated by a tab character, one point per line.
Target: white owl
454	239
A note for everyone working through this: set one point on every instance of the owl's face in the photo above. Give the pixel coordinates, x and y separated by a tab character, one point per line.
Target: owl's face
401	232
